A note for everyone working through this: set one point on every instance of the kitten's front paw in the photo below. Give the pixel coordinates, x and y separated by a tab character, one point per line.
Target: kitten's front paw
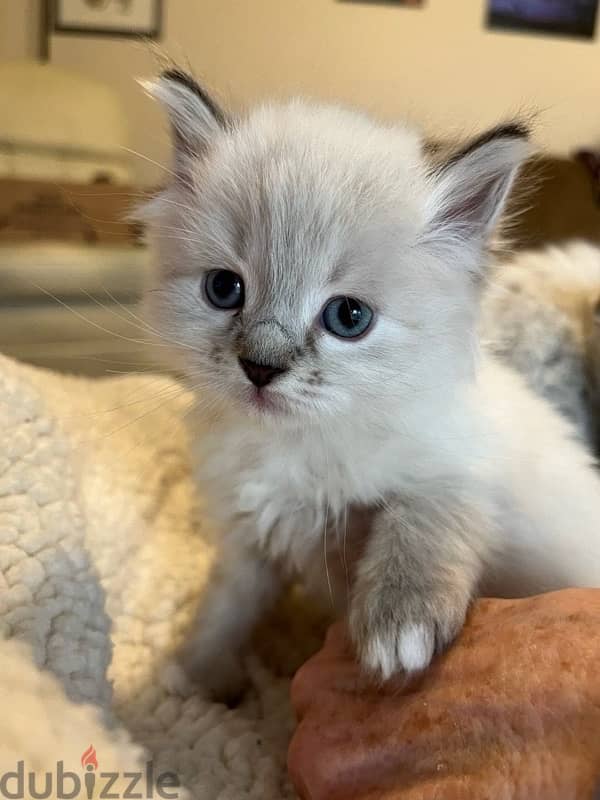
394	631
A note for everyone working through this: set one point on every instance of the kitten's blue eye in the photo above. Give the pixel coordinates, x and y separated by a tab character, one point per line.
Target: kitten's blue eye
224	289
347	317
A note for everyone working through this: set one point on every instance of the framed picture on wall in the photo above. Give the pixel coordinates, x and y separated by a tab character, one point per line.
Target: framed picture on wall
414	3
559	17
107	17
407	3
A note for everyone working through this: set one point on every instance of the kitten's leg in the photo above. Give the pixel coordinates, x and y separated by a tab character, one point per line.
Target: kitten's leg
242	586
414	582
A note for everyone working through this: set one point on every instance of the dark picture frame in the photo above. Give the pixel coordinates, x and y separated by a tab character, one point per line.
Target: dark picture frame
574	18
398	3
151	30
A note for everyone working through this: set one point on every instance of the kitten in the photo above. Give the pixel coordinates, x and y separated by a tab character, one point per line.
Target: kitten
320	285
541	316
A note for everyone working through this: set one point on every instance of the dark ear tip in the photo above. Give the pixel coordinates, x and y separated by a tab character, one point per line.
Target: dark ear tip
179	76
509	130
512	130
176	75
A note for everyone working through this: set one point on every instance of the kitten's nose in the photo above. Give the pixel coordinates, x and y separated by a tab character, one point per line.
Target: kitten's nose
259	374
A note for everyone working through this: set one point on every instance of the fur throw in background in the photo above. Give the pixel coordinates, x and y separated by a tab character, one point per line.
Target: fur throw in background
540	316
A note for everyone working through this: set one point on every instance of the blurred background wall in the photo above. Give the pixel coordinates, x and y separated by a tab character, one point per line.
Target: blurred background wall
437	64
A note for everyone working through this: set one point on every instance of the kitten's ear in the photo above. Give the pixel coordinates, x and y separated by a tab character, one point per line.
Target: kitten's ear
195	117
470	190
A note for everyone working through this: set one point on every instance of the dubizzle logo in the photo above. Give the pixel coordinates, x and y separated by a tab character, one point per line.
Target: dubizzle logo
90	764
64	785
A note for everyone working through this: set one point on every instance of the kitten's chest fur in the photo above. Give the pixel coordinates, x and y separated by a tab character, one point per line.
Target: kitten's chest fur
282	492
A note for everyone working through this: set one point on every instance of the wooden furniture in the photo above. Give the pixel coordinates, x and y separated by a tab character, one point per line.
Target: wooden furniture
555	200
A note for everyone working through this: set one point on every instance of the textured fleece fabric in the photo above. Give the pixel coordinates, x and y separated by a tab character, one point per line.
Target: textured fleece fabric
103	556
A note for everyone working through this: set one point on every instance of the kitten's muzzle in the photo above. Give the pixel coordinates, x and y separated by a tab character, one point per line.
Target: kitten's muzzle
266	350
260	374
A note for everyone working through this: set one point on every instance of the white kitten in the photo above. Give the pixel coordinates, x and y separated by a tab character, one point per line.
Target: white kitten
320	284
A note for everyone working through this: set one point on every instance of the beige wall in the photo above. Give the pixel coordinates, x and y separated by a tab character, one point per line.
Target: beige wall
437	65
19	26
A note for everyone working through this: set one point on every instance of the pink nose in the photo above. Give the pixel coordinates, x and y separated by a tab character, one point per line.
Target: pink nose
259	374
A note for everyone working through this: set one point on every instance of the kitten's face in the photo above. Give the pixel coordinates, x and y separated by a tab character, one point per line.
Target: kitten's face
301	275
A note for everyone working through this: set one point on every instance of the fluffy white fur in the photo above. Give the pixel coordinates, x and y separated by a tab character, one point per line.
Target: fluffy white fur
405	470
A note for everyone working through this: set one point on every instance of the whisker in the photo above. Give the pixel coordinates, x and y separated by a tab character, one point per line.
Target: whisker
140	363
166	397
125	404
150	161
145	325
325	531
97	325
344	558
133	195
145	371
207	408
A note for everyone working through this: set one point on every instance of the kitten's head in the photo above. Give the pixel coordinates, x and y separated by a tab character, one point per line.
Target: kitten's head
313	264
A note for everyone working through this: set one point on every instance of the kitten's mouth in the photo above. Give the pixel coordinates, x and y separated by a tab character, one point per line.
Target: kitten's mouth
266	401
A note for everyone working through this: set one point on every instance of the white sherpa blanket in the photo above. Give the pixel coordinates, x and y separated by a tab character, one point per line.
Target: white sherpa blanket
103	555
